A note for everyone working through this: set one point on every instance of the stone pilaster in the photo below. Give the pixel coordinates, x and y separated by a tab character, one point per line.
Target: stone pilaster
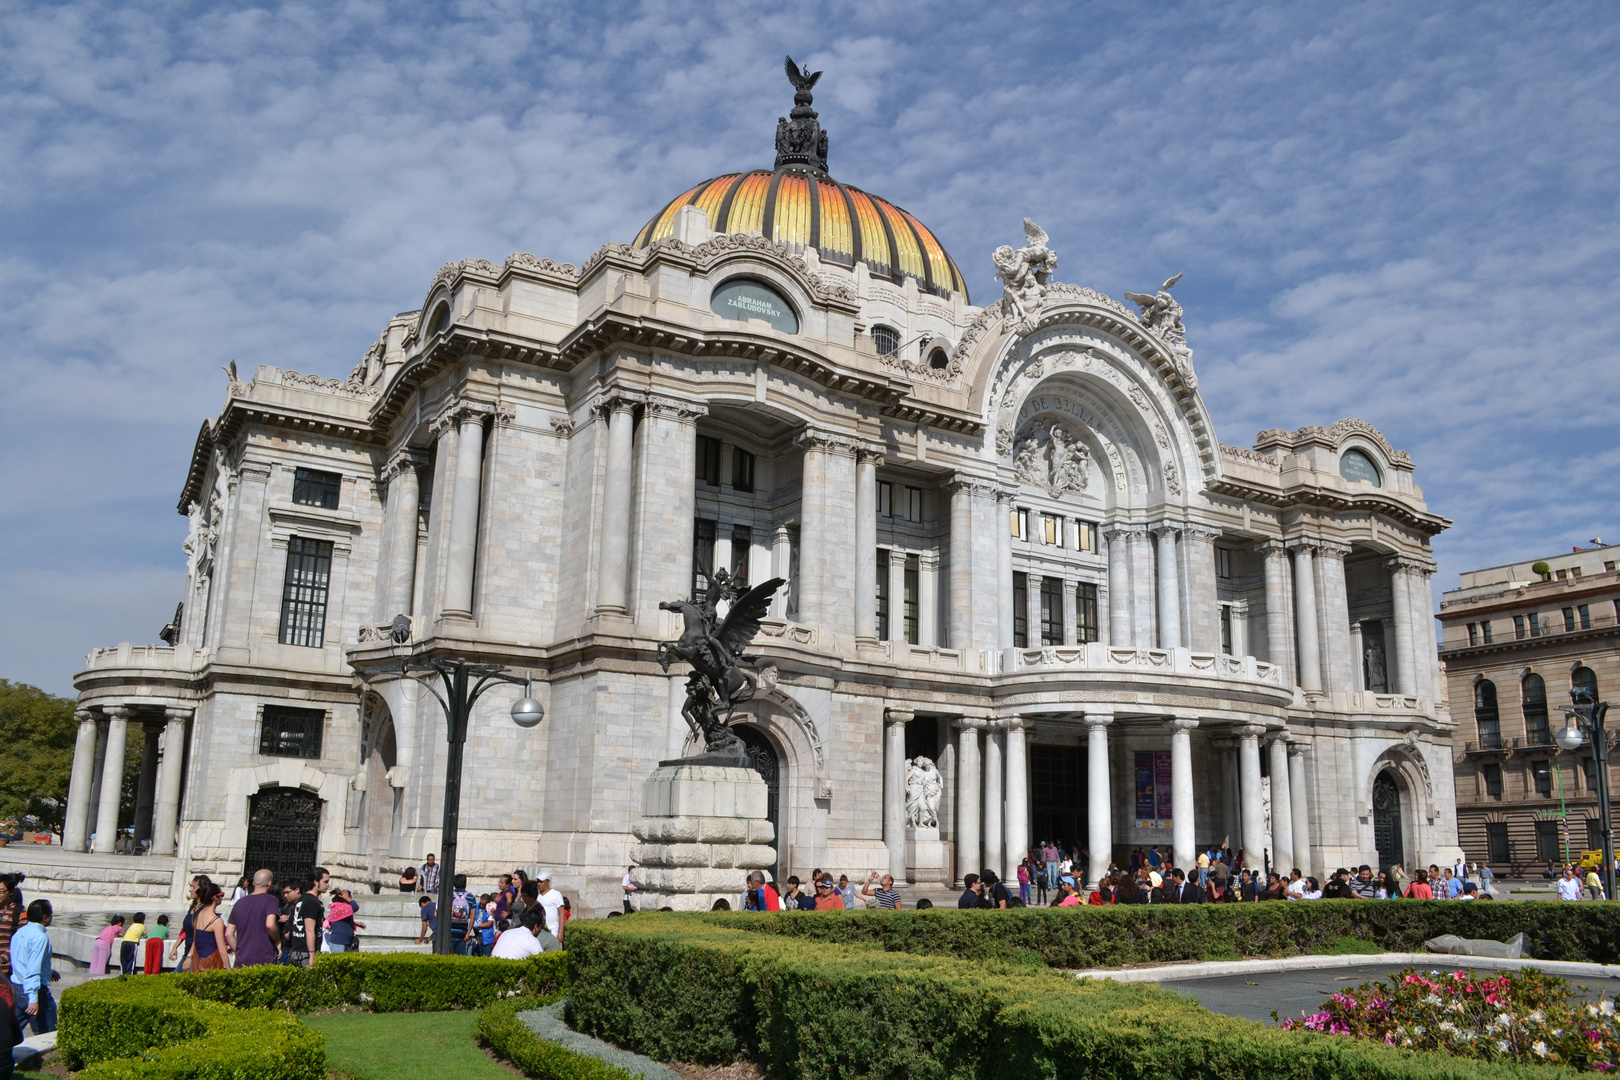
1169	591
928	599
1299	801
1333	617
1143	576
827	531
1279	632
1119	586
612	587
1099	803
1203	610
866	462
1307	631
665	503
404	509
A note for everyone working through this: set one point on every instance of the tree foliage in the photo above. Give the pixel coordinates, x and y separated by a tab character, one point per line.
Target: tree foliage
36	751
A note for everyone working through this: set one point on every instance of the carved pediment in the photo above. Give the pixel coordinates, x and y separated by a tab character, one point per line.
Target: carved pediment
1051	457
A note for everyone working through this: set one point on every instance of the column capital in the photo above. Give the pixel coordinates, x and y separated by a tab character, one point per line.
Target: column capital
1171	529
459	412
969	723
1332	549
84	716
615	399
1181	723
402	459
868	453
928	560
115	712
1098	718
1297	746
898	716
1250	731
1239	607
1410	565
826	442
1196	532
178	713
676	409
1297	544
1123	532
972	485
1272	549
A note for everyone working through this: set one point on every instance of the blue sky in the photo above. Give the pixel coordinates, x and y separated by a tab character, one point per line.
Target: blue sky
1401	212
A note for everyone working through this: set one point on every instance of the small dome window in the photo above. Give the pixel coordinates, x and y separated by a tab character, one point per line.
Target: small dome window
938	361
1355	465
745	298
887	340
440	322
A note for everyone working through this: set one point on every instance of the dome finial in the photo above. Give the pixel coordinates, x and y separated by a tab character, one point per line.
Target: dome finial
801	141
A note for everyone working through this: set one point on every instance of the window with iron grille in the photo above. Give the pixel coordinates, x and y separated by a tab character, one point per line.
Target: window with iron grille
742	469
1496	841
290	732
1493	780
887	340
702	556
312	488
1020	606
708	460
1051	611
303	592
912	577
1085	613
883	594
742	539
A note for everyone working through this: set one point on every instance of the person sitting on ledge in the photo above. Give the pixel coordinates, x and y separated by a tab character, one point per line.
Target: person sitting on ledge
407	880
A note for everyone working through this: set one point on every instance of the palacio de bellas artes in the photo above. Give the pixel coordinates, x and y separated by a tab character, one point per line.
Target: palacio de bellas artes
1020	565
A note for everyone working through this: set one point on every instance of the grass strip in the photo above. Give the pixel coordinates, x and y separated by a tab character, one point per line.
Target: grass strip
386	1046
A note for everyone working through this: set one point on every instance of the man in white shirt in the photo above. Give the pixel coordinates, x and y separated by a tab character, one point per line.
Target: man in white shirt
551	901
1569	886
629	889
525	940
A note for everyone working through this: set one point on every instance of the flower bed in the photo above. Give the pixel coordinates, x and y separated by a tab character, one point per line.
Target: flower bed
1526	1017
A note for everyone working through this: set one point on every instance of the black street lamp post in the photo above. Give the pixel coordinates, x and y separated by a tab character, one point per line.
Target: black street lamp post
463	684
1582	720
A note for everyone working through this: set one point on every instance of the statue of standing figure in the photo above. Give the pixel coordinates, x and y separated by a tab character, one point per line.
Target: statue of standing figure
924	785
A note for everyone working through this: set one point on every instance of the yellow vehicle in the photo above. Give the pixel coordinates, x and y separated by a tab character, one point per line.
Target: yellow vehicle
1592	860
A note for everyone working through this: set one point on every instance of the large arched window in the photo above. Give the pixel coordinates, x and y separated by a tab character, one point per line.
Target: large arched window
1583	678
1535	710
1486	715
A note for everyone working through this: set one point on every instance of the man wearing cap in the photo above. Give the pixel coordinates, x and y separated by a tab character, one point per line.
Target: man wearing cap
1338	886
551	901
827	896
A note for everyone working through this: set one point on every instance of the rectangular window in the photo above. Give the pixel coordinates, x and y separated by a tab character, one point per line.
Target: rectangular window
1051	611
1015	524
1569	619
288	732
1226	629
883	594
702	555
1585	614
1575	573
303	592
1485	631
312	488
913	504
1049	529
708	461
1085	613
1020	599
912	590
1085	536
742	469
1536	626
1594	834
885	493
1473	634
1493	780
1541	777
1223	563
1547	849
742	539
1518	627
1589	772
1563	575
1496	841
1609	566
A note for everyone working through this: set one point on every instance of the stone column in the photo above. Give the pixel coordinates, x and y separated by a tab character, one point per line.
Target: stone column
1240	628
1004	567
993	805
613	576
1358	652
1071	612
1282	808
1400	660
866	546
1183	834
1119	587
170	773
1252	808
1032	605
76	821
1200	600
928	599
1299	800
96	775
1169	590
404	510
969	772
112	778
894	789
146	786
782	567
897	595
827	531
469	483
1142	578
1333	615
1305	628
1099	804
1016	825
1277	628
960	581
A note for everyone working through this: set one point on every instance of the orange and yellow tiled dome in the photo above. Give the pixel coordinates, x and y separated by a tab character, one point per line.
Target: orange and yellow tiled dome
805	208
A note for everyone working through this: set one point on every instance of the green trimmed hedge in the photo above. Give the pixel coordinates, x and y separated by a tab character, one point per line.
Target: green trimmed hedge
502	1031
690	988
223	1025
1087	937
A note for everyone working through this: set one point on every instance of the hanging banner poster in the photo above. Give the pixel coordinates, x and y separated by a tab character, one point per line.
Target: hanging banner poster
1146	804
1161	785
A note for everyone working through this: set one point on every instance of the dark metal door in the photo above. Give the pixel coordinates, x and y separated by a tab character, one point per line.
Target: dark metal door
284	827
762	755
1387	821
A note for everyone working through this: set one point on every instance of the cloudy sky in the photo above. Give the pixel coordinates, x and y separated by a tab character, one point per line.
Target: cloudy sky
1401	212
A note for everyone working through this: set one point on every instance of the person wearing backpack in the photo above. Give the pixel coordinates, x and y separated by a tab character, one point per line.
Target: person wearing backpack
462	904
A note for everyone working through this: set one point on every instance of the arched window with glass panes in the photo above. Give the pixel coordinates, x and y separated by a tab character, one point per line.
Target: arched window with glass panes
1486	717
1536	729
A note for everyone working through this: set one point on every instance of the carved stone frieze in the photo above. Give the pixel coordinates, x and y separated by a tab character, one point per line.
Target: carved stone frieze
1052	458
354	387
524	261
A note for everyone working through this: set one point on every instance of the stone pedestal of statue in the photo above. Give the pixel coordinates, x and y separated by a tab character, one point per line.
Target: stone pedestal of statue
703	828
928	858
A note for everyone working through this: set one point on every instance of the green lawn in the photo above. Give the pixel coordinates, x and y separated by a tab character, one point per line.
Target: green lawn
387	1046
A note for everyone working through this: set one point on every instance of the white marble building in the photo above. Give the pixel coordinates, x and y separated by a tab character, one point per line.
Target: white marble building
1013	542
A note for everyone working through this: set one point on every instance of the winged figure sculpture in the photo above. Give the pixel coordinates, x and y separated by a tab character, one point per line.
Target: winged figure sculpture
723	674
803	79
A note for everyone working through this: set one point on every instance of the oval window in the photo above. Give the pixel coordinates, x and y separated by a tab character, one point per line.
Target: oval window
441	319
741	299
1355	465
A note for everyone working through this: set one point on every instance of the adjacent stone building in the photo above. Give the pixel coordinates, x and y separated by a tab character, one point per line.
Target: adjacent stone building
1515	641
1012	541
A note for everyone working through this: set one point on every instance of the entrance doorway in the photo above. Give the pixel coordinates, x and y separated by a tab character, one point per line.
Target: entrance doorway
1387	827
1058	795
284	827
762	755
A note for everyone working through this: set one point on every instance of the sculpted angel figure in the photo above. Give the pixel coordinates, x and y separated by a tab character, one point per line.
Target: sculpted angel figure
924	784
1069	461
1023	273
1161	312
1027	464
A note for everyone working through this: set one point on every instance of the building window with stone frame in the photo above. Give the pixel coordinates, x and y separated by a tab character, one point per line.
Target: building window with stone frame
1051	530
1537	730
1486	715
1589	773
1536	625
883	594
1085	536
1085	613
742	469
914	501
1018	523
1473	634
885	498
742	541
312	487
1020	606
1485	631
1518	627
703	533
1492	773
1547	846
708	460
1541	777
303	592
1223	563
1497	849
285	731
1569	620
1226	629
1051	610
887	340
911	581
1594	834
1584	614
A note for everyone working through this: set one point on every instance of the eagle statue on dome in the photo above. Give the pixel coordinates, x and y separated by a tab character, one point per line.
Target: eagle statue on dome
802	78
1023	273
800	141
